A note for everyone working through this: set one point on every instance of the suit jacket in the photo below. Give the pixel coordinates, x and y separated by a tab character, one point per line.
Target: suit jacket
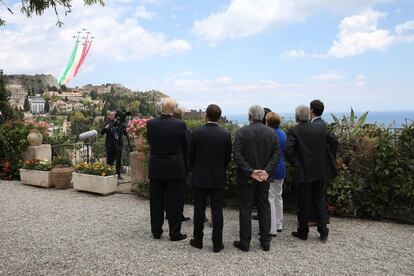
168	142
111	132
256	147
308	149
319	120
332	137
210	153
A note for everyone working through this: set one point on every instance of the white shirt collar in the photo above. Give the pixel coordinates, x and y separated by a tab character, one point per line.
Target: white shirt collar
211	122
315	119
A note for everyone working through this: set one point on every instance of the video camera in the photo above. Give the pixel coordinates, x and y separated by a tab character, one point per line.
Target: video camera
121	115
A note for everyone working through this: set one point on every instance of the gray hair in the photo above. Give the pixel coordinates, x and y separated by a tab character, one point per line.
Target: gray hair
256	113
302	113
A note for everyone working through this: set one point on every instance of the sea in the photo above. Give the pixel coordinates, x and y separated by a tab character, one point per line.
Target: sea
383	118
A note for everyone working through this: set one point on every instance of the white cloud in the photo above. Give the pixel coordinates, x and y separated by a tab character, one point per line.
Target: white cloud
360	33
36	45
360	80
293	54
142	12
403	28
246	17
187	73
223	79
331	75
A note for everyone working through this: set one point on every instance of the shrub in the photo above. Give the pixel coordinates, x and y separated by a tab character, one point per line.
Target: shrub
61	161
37	165
13	137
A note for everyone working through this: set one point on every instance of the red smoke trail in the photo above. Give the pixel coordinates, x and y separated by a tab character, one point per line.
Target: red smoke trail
89	43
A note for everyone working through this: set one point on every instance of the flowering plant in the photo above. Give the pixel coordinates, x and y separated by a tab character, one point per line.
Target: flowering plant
97	168
41	126
37	165
61	161
137	126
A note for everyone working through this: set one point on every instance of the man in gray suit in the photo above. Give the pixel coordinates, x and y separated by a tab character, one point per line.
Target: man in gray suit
256	153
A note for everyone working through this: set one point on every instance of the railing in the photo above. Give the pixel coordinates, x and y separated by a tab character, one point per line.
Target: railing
89	152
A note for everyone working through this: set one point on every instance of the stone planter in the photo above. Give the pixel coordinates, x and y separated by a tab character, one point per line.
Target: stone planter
139	168
34	138
139	143
104	185
36	178
61	177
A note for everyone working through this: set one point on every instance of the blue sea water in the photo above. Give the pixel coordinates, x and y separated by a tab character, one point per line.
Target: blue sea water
384	118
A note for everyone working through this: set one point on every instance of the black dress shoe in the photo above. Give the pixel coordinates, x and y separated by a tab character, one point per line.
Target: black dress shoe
323	238
180	237
185	218
218	248
157	237
240	246
120	177
265	246
299	236
195	244
279	230
273	235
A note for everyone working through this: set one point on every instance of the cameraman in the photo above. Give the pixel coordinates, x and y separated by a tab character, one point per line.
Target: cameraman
114	129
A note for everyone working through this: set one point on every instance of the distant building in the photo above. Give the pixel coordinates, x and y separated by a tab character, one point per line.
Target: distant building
194	115
61	106
17	95
37	104
72	96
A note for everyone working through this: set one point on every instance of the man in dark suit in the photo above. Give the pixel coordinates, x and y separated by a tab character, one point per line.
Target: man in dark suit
256	153
210	153
114	129
307	152
316	111
168	142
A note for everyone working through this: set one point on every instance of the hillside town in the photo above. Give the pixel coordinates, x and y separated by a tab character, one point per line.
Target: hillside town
41	98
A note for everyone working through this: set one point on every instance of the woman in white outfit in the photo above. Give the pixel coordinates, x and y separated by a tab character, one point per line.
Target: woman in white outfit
276	185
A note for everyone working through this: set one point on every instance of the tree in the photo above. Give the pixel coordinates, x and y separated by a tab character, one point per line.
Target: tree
26	105
94	94
30	7
4	97
133	107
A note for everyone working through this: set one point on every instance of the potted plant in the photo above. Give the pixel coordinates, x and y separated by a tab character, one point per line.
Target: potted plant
37	131
61	174
37	173
95	178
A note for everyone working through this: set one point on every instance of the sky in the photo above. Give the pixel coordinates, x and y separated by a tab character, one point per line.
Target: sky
235	53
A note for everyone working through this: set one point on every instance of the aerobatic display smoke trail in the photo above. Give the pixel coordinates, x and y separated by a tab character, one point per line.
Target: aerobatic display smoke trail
76	58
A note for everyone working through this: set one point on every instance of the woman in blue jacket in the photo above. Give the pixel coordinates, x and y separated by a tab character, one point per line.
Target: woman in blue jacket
276	185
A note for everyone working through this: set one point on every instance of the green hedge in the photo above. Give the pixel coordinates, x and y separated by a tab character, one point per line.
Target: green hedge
13	137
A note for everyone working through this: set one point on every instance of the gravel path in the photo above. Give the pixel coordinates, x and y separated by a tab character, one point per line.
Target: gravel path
64	232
